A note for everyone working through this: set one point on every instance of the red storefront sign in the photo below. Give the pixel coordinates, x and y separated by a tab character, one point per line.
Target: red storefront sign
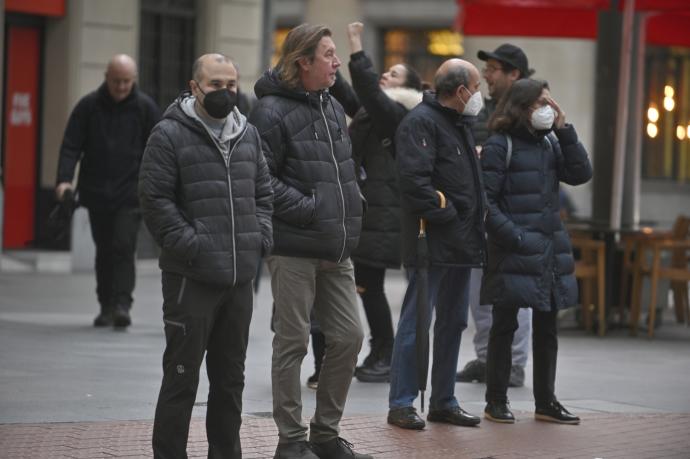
38	7
667	25
21	134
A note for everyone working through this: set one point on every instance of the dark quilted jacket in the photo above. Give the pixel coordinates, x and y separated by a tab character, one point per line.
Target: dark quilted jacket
530	256
317	205
436	153
376	115
212	222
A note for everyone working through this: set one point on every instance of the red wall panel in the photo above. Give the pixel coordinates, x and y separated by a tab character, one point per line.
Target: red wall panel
21	134
39	7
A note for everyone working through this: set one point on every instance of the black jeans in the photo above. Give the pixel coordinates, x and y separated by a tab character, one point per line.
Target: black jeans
115	236
202	319
544	354
370	281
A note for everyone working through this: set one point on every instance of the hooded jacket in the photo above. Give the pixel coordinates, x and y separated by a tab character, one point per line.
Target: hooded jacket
436	153
210	215
108	138
317	205
530	255
376	114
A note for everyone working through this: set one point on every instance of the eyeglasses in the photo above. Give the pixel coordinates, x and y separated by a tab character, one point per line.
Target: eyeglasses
491	69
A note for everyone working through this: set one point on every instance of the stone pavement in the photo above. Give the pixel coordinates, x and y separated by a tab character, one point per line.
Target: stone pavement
68	390
605	436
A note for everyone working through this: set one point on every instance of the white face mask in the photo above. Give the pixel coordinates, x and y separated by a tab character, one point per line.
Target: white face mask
543	118
474	105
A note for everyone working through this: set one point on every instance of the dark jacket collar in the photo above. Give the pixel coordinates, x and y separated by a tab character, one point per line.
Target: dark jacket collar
270	84
105	96
429	98
523	132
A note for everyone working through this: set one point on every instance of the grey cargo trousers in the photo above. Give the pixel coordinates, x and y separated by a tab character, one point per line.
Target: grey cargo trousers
299	284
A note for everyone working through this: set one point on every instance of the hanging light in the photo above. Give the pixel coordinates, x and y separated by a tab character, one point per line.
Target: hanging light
652	130
680	132
668	91
653	113
669	104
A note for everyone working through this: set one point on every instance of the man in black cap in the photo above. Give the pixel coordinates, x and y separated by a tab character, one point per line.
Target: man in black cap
505	65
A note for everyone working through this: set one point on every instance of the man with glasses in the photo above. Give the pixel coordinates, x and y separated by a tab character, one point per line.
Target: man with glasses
505	65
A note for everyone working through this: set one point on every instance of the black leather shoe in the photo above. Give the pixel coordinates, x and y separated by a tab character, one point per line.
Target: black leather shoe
499	412
555	412
406	418
379	371
455	415
295	450
104	318
338	448
475	370
121	317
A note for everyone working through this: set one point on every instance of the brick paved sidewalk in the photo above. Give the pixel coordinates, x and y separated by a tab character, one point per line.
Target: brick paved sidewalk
603	436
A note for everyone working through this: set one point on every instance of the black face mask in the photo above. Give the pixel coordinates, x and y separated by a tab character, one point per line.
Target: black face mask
218	103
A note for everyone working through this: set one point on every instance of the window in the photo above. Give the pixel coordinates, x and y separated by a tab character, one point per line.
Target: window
424	50
666	145
166	48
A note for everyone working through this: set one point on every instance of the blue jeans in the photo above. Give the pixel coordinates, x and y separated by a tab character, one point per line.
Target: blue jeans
449	294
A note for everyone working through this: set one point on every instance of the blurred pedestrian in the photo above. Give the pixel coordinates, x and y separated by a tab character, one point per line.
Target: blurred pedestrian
436	159
106	134
316	224
206	197
378	106
530	258
505	65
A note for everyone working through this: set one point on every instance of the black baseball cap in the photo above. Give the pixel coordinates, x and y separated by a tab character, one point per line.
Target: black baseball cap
509	54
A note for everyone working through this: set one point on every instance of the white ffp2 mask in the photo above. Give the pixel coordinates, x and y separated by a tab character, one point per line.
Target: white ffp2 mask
543	118
474	104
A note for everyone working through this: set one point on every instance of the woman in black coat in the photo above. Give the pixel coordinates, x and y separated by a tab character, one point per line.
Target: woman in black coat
530	257
377	105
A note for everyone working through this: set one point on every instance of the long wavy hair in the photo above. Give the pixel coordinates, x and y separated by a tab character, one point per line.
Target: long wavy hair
513	109
300	42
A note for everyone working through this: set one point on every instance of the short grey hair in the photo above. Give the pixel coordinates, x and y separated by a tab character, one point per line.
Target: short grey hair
198	64
446	84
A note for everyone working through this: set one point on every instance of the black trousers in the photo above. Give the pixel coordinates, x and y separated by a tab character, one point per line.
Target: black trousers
370	281
544	354
115	237
202	319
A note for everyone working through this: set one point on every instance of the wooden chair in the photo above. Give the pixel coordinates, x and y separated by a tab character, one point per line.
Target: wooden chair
590	269
677	245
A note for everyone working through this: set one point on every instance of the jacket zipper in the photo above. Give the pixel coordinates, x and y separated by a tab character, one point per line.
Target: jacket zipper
232	208
480	193
337	171
177	324
181	292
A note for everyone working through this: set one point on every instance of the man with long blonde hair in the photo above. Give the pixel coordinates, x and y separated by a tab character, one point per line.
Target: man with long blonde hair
317	222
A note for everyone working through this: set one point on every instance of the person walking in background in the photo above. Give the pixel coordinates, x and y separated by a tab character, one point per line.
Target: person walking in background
206	197
380	103
505	65
437	164
106	133
316	222
530	258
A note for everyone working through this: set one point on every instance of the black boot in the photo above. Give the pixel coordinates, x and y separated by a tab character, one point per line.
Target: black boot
377	369
104	318
121	317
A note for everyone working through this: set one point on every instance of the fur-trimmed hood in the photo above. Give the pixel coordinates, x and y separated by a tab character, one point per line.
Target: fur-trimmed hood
408	97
